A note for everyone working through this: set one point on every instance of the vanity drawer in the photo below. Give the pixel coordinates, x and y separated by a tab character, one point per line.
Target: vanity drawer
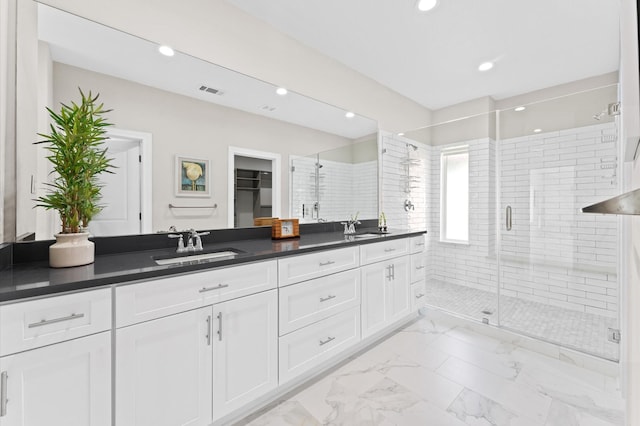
418	295
294	269
376	252
417	243
308	302
418	266
309	346
36	323
166	296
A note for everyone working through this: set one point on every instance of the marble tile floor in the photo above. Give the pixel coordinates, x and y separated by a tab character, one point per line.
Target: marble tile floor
572	329
435	372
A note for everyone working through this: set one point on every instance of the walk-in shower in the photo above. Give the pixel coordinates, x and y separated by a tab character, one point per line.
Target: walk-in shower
532	262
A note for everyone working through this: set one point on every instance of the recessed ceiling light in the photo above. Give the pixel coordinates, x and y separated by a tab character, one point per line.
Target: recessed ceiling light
281	91
166	50
520	108
426	5
401	134
485	66
349	114
537	130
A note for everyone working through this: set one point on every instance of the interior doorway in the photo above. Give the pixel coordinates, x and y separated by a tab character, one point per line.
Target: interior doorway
126	193
254	186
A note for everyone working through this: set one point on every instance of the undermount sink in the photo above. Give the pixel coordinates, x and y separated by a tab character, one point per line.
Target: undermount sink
370	234
192	258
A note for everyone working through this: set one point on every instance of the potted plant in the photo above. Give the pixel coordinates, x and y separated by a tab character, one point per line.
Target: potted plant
78	157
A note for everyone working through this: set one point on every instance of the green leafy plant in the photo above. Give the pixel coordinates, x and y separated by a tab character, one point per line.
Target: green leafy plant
75	146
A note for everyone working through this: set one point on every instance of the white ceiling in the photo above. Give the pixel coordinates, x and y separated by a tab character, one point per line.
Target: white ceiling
433	57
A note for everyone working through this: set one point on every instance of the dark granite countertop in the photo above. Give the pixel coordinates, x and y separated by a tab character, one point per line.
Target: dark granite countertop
34	278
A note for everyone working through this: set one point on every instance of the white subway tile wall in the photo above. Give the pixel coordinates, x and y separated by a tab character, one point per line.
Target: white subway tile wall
404	178
342	187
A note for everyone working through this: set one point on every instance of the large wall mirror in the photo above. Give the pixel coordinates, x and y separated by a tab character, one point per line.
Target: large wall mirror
167	110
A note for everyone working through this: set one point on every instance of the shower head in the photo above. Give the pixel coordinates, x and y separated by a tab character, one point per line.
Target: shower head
415	148
318	165
599	115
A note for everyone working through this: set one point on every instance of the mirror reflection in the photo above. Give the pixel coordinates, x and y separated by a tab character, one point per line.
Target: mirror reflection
167	108
336	185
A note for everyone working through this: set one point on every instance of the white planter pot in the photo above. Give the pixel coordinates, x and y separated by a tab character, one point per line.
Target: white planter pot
71	250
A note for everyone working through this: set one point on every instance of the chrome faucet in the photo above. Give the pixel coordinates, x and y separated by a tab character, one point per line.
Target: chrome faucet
195	242
181	248
350	225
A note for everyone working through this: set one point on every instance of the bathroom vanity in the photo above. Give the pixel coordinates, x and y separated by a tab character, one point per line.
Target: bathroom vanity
127	341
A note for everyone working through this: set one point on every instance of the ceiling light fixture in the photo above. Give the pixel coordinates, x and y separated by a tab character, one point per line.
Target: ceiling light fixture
401	134
281	91
485	66
426	5
349	114
537	130
520	108
166	50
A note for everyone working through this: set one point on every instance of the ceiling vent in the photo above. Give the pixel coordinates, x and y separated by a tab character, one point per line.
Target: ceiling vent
211	90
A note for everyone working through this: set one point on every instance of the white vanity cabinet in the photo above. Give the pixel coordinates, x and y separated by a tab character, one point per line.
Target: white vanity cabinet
319	308
192	348
385	285
56	363
245	350
164	371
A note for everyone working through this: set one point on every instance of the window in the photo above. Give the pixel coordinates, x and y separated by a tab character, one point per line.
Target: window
454	195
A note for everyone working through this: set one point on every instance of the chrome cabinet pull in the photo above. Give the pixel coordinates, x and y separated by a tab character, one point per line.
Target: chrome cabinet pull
3	393
508	215
393	271
419	267
388	277
329	297
389	250
220	326
208	330
330	262
419	296
218	287
55	320
329	339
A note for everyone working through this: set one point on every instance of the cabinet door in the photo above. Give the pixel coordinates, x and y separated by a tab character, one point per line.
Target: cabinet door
398	300
66	384
245	341
163	371
385	294
375	280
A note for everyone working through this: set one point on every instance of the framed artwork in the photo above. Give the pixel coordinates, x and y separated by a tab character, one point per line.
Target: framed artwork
192	177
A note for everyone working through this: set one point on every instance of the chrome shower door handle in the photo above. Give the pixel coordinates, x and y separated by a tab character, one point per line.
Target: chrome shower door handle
508	216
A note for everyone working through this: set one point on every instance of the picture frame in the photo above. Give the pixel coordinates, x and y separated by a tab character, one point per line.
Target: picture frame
192	177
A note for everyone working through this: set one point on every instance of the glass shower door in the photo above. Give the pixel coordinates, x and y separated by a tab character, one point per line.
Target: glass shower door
558	277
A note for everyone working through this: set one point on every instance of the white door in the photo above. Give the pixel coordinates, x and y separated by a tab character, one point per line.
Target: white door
245	350
66	384
163	371
375	280
398	299
121	213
